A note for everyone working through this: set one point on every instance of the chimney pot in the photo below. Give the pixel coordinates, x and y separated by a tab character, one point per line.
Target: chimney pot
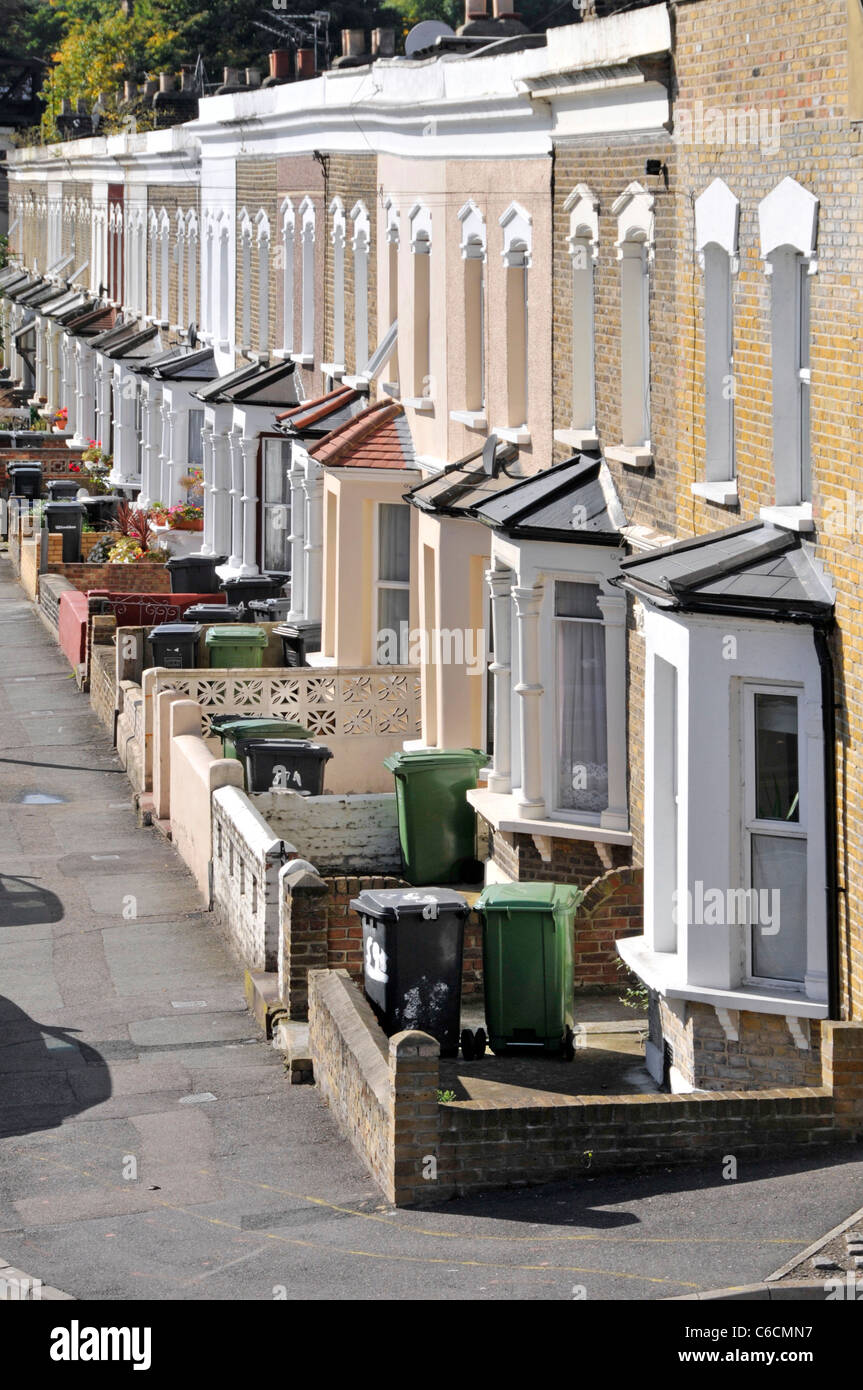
475	9
253	77
353	43
231	77
151	87
305	63
280	63
384	43
166	81
130	90
187	78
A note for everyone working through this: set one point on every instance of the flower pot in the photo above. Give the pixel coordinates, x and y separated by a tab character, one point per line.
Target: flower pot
188	526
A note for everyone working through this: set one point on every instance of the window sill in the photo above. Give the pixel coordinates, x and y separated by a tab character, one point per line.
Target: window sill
303	359
356	383
501	810
334	369
633	456
423	405
471	419
391	388
722	494
512	434
577	439
661	971
791	518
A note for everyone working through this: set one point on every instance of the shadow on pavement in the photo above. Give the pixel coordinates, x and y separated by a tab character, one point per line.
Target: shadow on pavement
24	904
46	1074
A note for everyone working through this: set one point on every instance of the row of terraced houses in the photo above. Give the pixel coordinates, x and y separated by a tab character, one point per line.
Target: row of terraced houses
537	366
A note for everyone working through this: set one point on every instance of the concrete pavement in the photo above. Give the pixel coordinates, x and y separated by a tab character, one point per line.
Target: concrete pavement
150	1144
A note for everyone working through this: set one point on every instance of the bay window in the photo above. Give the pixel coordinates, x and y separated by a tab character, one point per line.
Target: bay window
276	505
582	739
392	580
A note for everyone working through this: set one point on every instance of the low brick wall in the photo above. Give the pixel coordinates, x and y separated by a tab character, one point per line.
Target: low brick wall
83	576
438	1151
754	1050
130	731
103	690
50	589
612	908
377	1088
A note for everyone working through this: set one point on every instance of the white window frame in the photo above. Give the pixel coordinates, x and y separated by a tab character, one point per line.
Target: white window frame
262	240
378	584
246	232
338	237
180	260
635	244
517	253
421	377
474	252
308	218
165	267
583	249
361	245
191	267
717	222
288	249
751	825
788	226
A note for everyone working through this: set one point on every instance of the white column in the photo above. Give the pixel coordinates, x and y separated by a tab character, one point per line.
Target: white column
150	424
164	453
179	450
249	449
221	493
53	347
530	801
126	455
616	817
500	584
207	547
313	545
236	558
297	538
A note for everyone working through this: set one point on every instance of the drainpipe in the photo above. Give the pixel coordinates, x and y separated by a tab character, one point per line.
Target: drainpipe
828	715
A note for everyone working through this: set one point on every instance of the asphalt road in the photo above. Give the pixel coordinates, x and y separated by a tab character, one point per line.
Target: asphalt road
151	1146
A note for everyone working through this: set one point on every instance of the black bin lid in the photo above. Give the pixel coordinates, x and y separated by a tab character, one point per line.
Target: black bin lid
248	581
69	507
395	904
176	631
196	561
290	745
298	628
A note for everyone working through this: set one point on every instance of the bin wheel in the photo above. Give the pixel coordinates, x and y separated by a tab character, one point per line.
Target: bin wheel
467	1044
569	1045
480	1042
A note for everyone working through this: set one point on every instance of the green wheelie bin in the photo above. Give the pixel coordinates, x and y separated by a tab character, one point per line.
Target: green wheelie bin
235	644
527	947
233	729
437	824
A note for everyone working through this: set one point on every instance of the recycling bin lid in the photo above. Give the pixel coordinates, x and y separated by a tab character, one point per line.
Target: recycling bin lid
251	726
248	581
200	561
176	630
297	627
530	897
393	904
67	506
289	745
229	634
213	612
402	761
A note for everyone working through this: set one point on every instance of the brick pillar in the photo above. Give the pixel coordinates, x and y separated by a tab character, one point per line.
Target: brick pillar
302	933
414	1119
842	1072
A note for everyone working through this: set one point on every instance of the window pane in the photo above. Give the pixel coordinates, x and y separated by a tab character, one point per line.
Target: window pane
276	463
582	736
277	529
779	912
777	788
196	438
393	619
576	601
394	542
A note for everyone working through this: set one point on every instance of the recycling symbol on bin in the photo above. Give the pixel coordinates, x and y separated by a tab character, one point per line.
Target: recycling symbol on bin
376	961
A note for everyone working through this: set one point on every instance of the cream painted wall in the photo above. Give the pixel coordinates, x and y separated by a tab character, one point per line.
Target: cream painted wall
444	187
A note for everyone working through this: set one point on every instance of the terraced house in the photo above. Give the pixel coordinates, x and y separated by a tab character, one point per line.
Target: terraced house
534	365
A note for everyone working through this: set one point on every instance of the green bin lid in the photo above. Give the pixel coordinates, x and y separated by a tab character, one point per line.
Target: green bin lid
250	727
235	634
529	897
422	758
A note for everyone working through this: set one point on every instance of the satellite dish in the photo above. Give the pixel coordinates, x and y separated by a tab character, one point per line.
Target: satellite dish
424	34
489	449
